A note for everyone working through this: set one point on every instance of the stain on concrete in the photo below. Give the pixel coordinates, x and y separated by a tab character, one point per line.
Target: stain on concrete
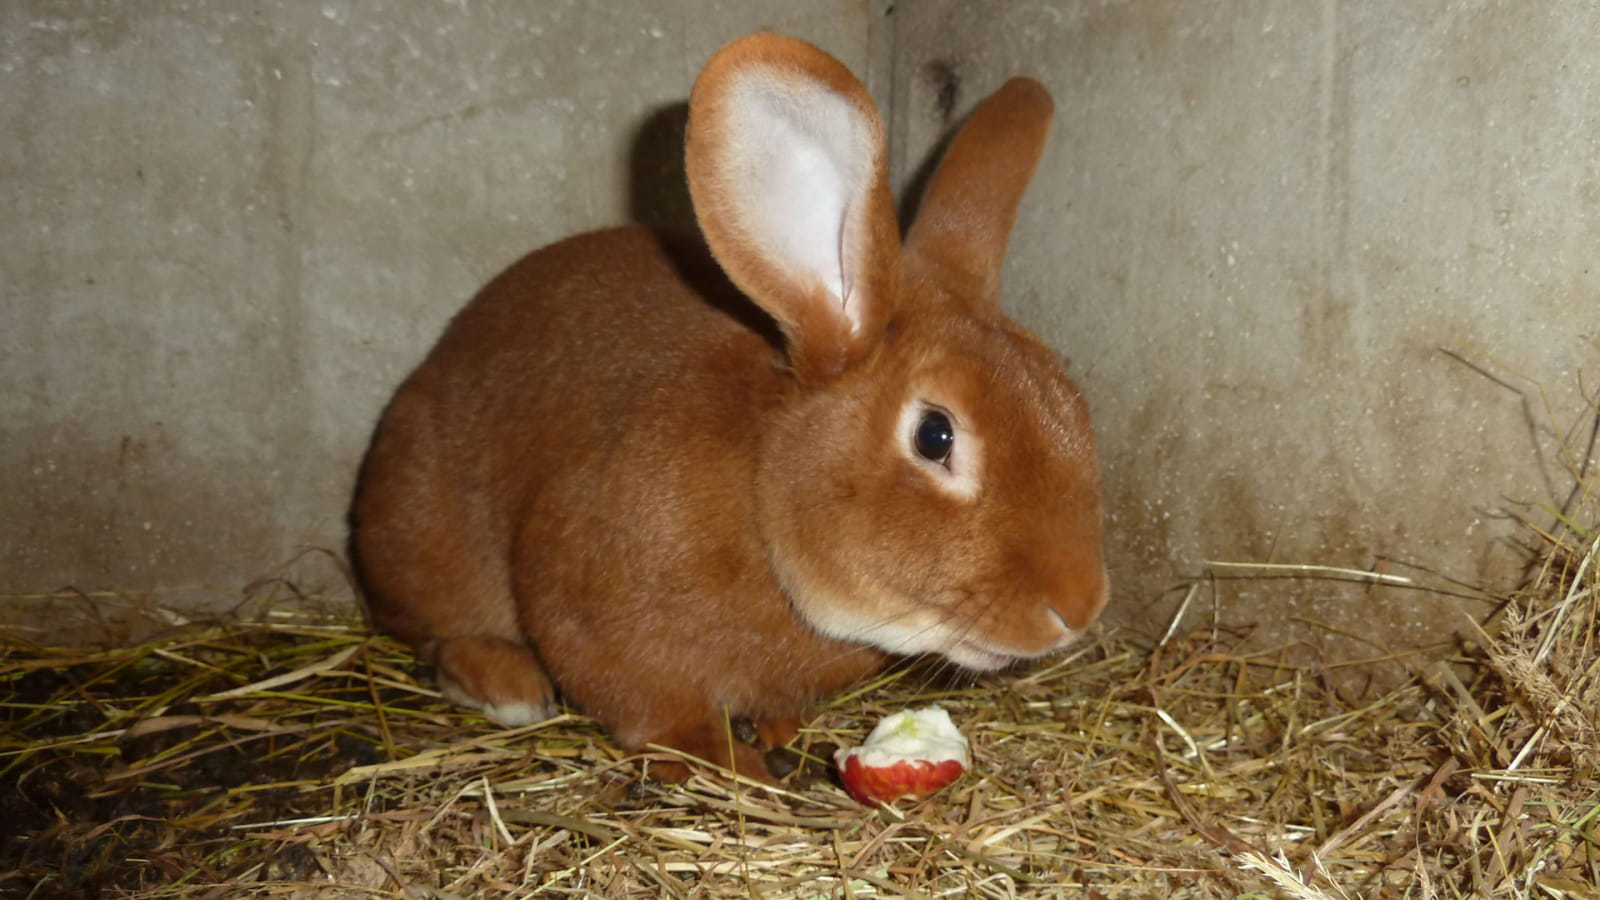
944	86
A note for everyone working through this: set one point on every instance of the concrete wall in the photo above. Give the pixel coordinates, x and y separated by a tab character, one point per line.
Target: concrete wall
1259	229
1262	231
232	228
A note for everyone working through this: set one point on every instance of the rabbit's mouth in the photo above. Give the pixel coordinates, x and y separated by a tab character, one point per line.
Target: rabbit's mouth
971	656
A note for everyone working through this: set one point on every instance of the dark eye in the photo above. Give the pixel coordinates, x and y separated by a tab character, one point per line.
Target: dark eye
935	436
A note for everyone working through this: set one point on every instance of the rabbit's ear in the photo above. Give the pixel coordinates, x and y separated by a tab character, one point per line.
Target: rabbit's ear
787	168
964	222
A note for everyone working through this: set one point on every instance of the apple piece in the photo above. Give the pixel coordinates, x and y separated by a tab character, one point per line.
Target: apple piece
910	754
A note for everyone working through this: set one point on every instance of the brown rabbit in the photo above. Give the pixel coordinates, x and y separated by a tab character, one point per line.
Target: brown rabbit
614	479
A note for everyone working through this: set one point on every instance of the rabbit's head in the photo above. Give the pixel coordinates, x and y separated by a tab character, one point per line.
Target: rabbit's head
931	483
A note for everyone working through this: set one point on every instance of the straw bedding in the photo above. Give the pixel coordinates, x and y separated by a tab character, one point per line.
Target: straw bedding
303	756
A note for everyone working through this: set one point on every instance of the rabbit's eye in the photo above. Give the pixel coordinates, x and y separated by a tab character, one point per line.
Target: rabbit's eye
935	436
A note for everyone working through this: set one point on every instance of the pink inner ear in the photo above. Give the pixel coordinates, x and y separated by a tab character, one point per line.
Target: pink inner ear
797	159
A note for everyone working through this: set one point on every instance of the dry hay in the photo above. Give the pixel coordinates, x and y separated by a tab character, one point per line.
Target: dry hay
302	757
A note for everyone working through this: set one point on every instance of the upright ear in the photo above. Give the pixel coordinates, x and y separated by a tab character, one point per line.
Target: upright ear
964	222
787	169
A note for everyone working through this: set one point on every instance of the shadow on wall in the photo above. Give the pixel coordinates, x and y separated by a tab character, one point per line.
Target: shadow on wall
658	189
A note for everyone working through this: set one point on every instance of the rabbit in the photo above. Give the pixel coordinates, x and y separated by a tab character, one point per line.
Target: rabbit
688	501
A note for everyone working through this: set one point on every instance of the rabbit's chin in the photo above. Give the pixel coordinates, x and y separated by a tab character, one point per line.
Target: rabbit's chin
911	633
970	656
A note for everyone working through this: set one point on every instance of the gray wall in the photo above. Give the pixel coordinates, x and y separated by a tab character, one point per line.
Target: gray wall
1258	231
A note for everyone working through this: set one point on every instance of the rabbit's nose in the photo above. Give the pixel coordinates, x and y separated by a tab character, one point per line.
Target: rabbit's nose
1078	607
1067	634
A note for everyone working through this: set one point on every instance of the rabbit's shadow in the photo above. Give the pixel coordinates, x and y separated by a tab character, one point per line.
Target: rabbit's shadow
658	189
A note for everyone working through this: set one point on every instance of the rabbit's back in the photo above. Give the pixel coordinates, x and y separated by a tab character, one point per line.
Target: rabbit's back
553	363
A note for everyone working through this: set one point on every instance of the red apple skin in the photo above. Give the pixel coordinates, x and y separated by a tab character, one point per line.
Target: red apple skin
907	779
